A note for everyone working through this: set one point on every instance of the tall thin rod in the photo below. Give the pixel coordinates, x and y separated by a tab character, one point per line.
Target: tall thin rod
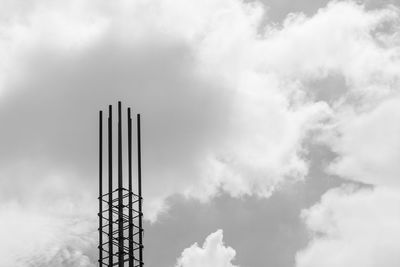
100	189
131	262
120	193
140	192
110	189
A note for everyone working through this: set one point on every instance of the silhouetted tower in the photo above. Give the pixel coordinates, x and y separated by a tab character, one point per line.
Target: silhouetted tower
120	209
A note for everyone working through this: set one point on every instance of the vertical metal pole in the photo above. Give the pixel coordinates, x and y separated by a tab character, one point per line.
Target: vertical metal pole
110	189
120	193
131	258
140	192
100	189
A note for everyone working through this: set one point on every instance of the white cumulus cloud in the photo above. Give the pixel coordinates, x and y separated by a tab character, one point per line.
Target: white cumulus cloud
36	237
350	226
213	253
215	118
368	144
353	227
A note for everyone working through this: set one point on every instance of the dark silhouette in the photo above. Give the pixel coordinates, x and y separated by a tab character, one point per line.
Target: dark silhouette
123	214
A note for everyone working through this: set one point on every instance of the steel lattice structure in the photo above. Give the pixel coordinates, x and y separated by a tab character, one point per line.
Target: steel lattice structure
120	209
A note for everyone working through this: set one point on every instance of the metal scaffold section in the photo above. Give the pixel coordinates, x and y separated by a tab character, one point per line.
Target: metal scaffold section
120	209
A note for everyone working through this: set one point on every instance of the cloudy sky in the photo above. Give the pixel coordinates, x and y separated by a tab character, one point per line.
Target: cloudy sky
271	129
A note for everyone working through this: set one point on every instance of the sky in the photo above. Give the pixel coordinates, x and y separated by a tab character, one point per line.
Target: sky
271	129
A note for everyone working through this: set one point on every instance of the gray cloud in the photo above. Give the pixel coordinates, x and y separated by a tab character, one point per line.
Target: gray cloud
197	123
226	109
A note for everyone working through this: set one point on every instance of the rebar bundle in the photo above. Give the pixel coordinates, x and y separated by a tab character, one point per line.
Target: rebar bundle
120	209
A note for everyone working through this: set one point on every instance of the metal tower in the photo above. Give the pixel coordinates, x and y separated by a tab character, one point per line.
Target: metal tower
120	209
